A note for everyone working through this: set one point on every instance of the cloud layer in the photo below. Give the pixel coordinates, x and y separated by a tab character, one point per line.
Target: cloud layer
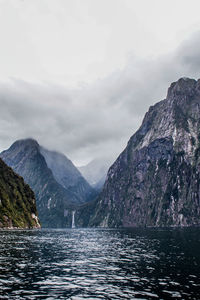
97	119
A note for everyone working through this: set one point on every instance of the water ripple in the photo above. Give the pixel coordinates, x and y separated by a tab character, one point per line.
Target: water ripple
100	264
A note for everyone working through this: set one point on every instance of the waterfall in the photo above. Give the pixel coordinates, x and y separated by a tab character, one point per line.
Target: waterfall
73	222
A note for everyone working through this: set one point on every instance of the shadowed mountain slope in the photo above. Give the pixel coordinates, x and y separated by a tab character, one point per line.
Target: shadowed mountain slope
156	179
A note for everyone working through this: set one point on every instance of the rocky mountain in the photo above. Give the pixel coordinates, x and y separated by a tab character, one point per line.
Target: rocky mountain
17	201
156	179
54	201
68	175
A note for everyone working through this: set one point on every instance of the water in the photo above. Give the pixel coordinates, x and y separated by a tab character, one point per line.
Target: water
100	264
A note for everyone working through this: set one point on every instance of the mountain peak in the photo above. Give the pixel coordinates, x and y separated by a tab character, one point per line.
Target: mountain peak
184	86
29	142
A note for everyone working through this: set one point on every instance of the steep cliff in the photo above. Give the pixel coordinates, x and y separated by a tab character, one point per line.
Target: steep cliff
156	179
17	201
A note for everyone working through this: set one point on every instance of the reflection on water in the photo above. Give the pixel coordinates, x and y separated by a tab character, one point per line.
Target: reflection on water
100	264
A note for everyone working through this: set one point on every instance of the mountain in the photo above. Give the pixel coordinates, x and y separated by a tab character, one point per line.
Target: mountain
95	171
54	202
68	176
17	201
156	179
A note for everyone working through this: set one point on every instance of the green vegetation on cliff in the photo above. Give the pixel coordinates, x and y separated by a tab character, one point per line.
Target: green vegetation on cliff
17	201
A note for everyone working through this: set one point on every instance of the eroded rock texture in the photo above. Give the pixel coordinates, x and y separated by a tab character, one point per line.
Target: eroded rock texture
155	181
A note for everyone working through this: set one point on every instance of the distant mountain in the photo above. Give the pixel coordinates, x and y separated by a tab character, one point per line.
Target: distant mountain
54	202
99	185
17	201
68	176
95	171
156	180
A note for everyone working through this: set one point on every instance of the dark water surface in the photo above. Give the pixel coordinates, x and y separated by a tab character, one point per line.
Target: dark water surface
100	264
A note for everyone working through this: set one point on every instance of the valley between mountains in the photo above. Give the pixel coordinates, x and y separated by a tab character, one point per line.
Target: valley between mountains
155	181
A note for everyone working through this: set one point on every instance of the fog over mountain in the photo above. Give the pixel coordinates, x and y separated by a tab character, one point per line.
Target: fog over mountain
97	116
95	171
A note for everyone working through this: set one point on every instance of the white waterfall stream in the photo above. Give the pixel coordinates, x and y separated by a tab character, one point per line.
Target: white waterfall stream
73	221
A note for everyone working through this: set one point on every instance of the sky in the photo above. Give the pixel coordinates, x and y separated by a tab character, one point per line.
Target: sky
79	75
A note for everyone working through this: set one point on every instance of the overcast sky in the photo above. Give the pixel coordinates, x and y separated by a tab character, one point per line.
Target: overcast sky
78	75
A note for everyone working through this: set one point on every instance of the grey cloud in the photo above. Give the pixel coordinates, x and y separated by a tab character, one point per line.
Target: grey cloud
97	119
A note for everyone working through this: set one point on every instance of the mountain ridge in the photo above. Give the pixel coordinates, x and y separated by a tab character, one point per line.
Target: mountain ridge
67	175
150	182
52	199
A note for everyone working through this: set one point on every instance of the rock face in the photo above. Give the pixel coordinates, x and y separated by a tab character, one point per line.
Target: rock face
17	201
54	201
156	179
68	176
